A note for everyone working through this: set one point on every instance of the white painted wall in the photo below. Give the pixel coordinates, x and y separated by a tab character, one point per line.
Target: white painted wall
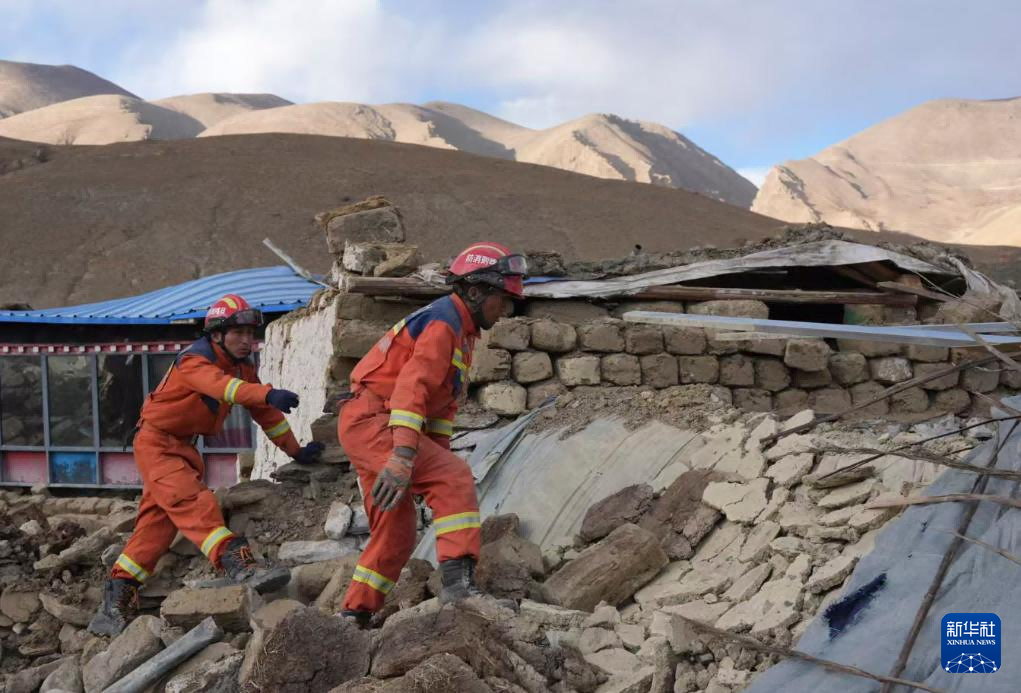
296	356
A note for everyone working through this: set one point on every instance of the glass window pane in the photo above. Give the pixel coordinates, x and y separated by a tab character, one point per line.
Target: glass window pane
159	364
70	382
120	397
21	400
237	431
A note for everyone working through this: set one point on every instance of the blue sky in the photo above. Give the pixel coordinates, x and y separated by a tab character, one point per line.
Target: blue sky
755	82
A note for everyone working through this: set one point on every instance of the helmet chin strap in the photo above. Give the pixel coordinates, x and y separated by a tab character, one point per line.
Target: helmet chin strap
223	345
473	301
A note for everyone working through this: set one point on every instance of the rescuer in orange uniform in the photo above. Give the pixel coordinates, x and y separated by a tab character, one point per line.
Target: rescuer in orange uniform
396	429
193	399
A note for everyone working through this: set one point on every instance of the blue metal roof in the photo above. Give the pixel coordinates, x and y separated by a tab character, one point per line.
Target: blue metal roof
271	289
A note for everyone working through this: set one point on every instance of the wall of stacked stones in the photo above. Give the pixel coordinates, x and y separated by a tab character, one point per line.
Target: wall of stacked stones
557	346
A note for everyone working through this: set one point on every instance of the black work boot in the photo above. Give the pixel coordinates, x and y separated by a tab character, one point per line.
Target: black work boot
362	619
241	567
458	580
120	604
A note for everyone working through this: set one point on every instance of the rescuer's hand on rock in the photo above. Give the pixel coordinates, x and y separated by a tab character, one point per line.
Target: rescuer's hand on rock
394	480
309	453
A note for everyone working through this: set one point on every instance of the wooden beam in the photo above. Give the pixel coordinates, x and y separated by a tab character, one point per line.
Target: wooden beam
753	644
392	286
856	275
411	286
704	293
878	270
915	291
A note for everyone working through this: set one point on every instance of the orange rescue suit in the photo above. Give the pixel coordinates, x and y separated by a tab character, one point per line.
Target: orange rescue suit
406	393
194	398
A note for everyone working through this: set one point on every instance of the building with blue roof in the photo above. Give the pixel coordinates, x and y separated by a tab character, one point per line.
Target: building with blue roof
73	379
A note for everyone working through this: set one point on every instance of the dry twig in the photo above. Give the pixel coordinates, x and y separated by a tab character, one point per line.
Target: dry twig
753	644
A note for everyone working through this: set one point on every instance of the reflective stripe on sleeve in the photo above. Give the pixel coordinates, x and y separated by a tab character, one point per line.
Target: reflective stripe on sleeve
409	419
280	429
231	391
443	427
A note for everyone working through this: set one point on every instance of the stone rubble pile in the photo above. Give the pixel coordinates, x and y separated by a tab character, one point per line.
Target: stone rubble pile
752	539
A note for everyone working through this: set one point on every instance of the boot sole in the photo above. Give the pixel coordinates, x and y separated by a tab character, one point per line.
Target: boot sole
105	626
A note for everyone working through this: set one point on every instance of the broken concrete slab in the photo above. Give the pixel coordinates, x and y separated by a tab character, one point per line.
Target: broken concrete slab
338	520
66	677
310	579
316	551
756	545
627	505
740	502
19	605
790	470
595	639
330	599
793	444
831	574
638	681
614	662
218	676
611	570
746	586
631	635
848	495
67	613
548	616
155	668
139	642
29	679
231	607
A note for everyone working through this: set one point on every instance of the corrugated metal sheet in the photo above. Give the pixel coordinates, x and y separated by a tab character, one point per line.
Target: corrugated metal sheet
271	289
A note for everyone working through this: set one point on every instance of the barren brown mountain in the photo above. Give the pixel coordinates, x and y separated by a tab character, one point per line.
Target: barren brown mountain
948	170
84	224
107	118
93	223
606	146
27	86
601	145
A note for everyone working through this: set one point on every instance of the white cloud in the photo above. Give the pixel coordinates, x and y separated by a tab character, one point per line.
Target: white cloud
316	50
760	72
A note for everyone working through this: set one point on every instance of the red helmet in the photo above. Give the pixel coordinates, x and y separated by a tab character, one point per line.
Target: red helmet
490	263
232	311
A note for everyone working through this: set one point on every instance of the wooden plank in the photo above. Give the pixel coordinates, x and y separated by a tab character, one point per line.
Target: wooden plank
879	271
856	275
897	335
411	286
392	286
915	291
703	293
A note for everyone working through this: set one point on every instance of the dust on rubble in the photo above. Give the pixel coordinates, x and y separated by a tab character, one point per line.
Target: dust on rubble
689	407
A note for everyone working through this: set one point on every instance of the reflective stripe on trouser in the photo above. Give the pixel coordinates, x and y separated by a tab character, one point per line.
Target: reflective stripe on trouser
443	478
174	498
